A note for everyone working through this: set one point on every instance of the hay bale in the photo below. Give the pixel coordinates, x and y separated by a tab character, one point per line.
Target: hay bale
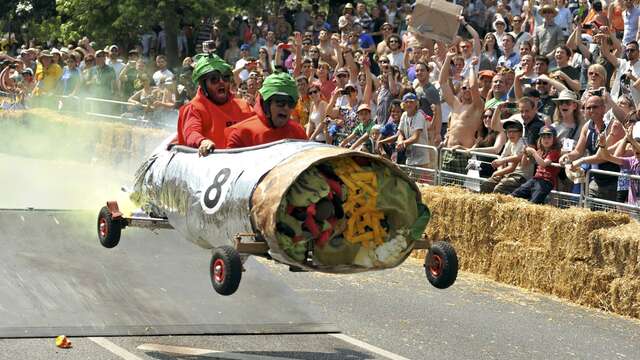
567	233
625	296
521	221
461	216
506	262
584	284
618	247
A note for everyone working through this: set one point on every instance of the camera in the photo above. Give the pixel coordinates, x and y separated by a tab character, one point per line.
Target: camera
597	92
209	46
511	106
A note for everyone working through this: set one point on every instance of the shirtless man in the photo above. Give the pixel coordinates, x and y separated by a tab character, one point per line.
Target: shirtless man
466	116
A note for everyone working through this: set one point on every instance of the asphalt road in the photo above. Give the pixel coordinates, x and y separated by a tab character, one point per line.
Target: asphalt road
392	314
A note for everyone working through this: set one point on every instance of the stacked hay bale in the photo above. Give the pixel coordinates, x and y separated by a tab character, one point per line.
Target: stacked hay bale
588	257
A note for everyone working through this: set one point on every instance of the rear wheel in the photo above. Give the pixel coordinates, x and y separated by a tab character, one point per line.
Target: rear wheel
108	229
226	270
441	265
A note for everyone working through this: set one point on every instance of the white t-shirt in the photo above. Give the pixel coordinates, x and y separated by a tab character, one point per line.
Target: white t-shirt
408	125
244	74
165	74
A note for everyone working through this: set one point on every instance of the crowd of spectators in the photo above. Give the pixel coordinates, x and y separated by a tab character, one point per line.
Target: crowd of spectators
534	83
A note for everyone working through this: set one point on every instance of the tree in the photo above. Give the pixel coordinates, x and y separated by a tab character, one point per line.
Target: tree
108	21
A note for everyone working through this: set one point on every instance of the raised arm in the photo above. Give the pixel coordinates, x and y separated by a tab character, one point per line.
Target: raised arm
447	92
297	70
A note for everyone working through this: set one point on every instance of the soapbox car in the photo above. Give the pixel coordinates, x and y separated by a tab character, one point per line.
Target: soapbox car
311	206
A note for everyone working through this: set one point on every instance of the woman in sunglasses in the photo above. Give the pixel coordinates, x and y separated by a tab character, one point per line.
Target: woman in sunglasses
272	122
202	122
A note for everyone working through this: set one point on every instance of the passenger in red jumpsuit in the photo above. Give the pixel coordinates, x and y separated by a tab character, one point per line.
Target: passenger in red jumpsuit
272	122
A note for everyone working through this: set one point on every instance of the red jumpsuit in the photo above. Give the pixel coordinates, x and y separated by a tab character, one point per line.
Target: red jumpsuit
202	119
256	131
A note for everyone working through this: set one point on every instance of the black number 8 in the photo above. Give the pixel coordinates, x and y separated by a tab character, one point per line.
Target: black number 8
218	181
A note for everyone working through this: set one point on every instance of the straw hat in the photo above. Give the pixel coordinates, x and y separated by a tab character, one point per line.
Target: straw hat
567	95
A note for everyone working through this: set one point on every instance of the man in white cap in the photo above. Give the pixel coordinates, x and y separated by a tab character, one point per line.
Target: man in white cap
113	60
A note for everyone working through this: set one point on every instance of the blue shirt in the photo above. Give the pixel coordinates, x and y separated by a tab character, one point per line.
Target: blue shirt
366	41
630	18
511	61
389	129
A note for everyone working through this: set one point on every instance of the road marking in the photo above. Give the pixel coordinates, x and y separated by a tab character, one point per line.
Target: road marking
183	350
368	347
114	348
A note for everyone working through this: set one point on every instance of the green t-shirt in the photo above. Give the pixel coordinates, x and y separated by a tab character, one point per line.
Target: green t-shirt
362	129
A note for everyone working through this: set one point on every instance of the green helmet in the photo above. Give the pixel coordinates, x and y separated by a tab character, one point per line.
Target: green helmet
206	63
279	83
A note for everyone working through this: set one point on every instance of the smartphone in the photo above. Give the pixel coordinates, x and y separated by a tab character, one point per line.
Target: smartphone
511	106
286	46
597	92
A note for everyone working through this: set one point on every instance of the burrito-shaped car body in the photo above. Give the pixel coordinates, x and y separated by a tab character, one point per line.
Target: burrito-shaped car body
317	206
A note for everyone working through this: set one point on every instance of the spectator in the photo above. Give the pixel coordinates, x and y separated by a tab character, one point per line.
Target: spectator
144	99
631	15
540	185
162	72
548	35
128	76
70	80
600	186
413	129
466	109
113	60
47	73
103	81
317	126
490	141
509	174
360	137
509	57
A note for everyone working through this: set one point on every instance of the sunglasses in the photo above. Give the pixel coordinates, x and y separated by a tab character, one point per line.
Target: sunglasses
465	88
564	102
282	101
311	92
341	75
593	74
306	43
215	77
393	41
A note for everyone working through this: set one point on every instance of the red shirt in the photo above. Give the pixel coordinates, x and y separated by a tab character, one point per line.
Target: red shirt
549	173
256	131
202	119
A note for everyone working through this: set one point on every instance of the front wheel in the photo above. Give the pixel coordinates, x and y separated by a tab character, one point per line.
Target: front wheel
441	265
226	270
108	229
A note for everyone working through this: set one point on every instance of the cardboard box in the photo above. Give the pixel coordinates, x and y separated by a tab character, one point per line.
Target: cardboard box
436	19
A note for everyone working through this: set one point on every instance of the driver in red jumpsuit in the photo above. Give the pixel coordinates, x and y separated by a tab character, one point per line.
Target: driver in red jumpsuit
202	122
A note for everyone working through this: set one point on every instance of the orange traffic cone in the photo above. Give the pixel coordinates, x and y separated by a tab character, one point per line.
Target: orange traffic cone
63	342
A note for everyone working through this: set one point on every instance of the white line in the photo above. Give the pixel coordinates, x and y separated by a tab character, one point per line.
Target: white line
114	348
182	350
368	347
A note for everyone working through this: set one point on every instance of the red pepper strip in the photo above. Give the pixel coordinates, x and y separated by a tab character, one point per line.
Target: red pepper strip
334	185
310	221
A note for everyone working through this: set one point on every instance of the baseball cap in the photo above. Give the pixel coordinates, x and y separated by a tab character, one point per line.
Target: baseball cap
364	107
409	97
512	122
244	47
548	129
488	73
113	47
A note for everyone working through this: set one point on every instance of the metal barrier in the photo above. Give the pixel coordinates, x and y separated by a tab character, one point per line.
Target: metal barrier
424	175
114	110
556	198
595	203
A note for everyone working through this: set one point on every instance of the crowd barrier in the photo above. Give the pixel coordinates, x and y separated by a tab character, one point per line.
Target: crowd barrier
435	175
115	110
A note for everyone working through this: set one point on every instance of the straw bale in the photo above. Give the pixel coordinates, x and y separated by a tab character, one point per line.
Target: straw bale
521	221
619	247
506	263
625	296
459	215
476	259
584	284
567	233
